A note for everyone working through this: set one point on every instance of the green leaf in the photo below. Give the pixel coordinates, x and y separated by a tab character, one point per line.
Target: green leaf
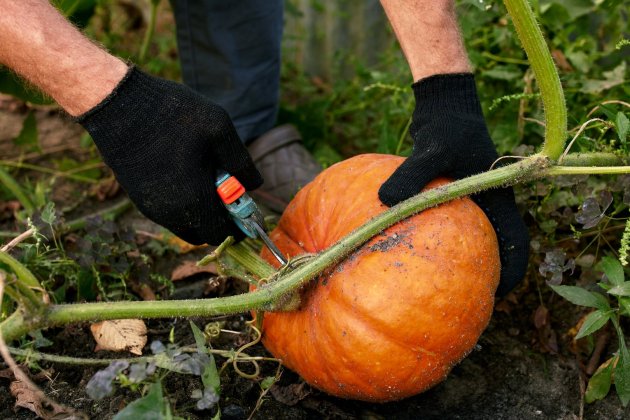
621	290
622	374
623	124
210	376
12	185
267	382
593	322
11	84
48	213
150	407
613	78
28	137
599	384
200	339
164	361
613	270
581	297
218	415
574	8
507	73
624	303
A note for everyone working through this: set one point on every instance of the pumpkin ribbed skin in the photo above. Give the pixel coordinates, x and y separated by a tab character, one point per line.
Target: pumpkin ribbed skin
392	319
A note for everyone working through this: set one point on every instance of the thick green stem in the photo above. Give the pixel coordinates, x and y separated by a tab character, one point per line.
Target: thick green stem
593	159
15	326
23	274
546	74
250	261
264	297
588	170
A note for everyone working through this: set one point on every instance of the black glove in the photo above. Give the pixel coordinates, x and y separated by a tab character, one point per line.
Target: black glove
451	139
164	143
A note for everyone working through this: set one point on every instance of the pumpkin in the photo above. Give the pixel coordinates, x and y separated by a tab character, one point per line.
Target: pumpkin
394	317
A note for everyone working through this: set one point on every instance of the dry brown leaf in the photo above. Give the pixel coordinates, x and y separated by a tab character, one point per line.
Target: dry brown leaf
547	336
291	394
506	304
561	61
105	188
143	290
35	400
190	268
120	335
183	246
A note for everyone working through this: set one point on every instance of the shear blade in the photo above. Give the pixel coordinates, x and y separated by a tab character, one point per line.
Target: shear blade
272	247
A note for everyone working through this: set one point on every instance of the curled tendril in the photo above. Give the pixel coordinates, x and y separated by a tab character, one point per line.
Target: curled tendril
240	356
213	329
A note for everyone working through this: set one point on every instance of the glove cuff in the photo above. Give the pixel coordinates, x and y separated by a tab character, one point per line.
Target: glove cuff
454	92
131	72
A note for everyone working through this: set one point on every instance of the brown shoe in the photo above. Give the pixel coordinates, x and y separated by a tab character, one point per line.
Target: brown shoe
285	165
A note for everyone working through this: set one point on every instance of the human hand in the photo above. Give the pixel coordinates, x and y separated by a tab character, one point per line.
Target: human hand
164	143
451	139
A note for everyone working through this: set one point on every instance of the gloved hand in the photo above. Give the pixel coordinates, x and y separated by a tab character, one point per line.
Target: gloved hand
164	143
451	139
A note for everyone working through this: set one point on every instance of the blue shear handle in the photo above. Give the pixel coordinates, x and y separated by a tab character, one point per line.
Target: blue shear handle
240	209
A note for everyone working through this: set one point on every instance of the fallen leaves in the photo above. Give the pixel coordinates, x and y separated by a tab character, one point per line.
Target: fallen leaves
31	398
547	336
120	335
291	394
105	188
190	268
183	246
9	209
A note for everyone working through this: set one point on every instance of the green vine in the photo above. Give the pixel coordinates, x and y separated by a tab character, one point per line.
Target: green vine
546	75
287	282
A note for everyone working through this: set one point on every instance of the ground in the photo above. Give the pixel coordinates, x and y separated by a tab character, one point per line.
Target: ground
512	374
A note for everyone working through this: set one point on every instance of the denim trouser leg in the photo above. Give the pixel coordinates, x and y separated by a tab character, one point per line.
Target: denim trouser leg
230	52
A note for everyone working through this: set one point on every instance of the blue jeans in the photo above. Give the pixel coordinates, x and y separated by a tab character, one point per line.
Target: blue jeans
230	52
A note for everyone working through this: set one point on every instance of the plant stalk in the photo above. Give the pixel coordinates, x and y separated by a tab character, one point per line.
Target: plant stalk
112	211
588	170
23	274
12	185
546	75
265	296
148	35
250	261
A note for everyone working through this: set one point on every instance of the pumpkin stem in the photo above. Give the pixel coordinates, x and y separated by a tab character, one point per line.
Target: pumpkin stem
246	257
20	322
546	74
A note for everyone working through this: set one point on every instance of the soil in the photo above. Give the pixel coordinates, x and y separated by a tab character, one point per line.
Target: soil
504	378
522	368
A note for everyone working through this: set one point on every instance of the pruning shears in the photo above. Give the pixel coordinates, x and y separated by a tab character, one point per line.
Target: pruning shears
244	211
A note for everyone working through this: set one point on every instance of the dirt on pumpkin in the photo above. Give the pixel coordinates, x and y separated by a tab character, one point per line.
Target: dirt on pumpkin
524	366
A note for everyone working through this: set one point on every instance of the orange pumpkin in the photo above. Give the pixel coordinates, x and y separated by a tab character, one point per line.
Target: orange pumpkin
393	318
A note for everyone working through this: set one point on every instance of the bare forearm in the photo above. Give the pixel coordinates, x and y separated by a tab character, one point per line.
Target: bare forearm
429	36
40	45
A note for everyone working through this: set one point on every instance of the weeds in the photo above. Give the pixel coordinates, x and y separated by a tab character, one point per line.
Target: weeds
366	112
617	368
